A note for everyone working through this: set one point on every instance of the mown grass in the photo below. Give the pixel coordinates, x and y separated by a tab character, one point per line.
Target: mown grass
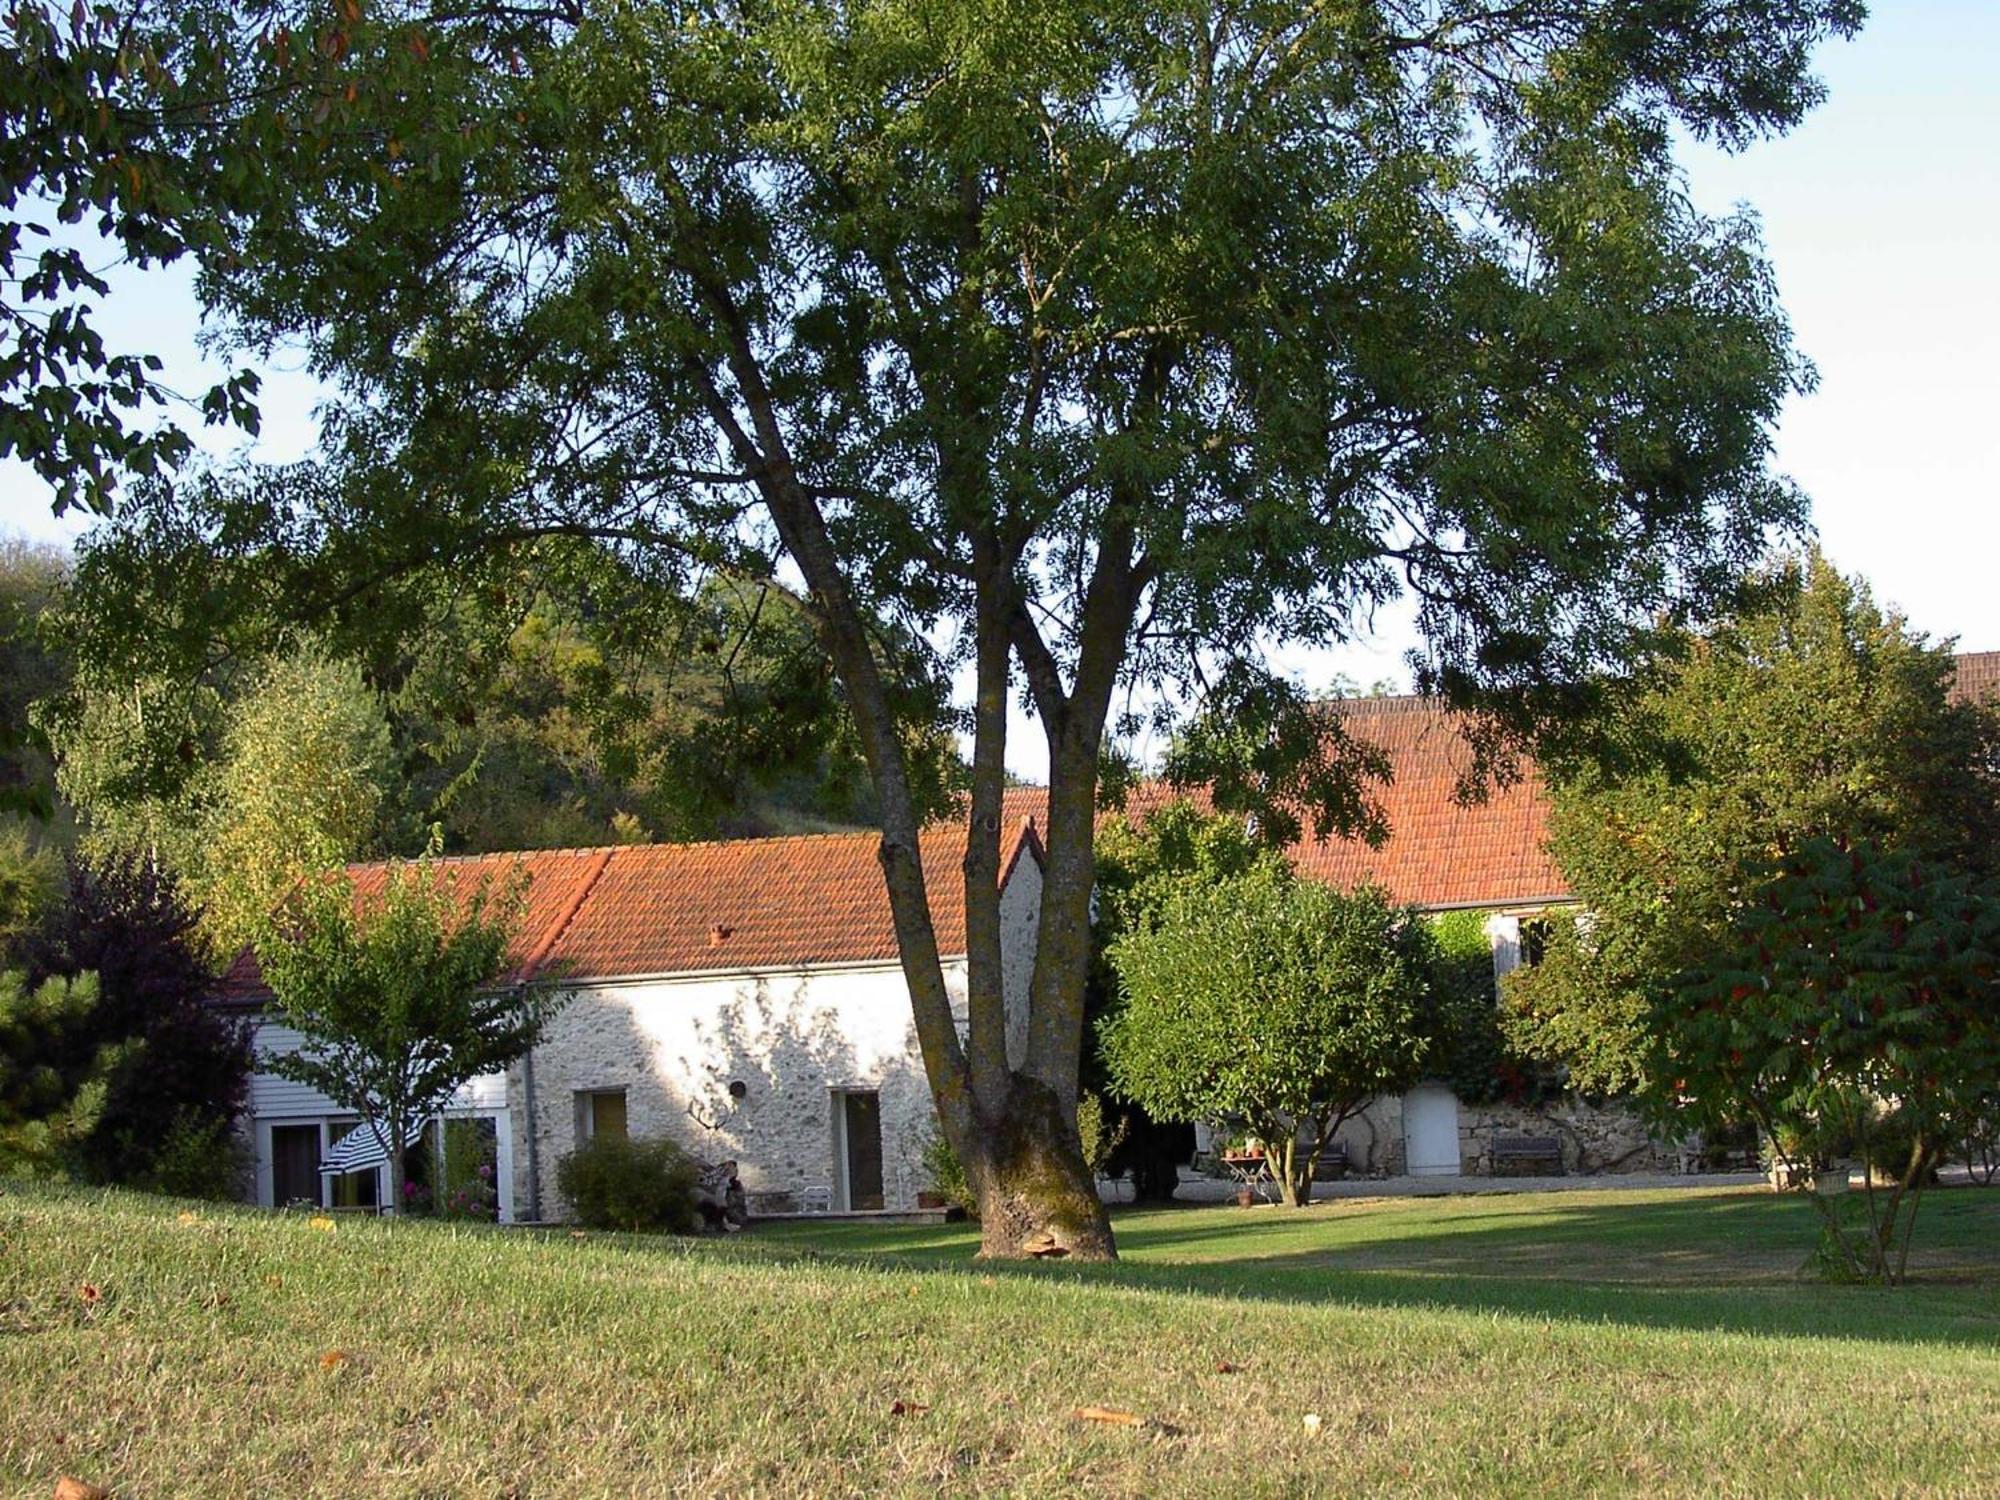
1568	1344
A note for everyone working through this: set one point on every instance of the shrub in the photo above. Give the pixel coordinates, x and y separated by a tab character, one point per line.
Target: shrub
945	1172
201	1157
1100	1134
630	1184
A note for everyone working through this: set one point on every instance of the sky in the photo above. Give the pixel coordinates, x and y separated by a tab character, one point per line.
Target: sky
1881	214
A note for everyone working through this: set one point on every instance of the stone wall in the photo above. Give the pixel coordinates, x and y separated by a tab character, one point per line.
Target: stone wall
1595	1138
793	1040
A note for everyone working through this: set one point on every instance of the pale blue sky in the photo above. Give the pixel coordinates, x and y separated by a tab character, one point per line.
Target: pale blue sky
1882	216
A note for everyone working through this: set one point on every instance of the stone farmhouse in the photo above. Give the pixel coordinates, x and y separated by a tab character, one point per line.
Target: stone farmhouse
744	997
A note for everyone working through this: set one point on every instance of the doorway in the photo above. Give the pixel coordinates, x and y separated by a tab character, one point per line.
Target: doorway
295	1165
858	1115
1430	1131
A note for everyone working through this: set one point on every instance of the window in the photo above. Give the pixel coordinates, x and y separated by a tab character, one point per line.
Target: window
1534	940
600	1112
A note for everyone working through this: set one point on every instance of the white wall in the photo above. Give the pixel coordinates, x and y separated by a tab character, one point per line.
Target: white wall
674	1045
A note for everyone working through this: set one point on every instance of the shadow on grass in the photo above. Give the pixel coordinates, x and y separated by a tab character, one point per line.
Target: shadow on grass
1726	1262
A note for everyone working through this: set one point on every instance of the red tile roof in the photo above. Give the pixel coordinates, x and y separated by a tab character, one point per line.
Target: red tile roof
1978	677
647	909
783	902
1440	852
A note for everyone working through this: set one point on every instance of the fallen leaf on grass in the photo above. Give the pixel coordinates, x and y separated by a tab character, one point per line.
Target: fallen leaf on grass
90	1293
322	1223
907	1408
1312	1421
333	1359
1224	1367
75	1489
1109	1415
187	1216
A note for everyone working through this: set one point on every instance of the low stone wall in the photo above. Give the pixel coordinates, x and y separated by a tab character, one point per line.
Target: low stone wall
1594	1138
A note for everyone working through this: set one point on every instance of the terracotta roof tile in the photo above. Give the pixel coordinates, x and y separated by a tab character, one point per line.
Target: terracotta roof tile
688	908
1978	677
1440	852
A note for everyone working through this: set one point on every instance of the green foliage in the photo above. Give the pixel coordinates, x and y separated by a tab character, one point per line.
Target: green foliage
305	759
202	1157
1100	1133
34	663
30	879
1851	1006
181	1064
553	696
1811	713
53	1077
944	1171
109	114
402	997
1573	1015
615	1183
1273	1001
1470	1051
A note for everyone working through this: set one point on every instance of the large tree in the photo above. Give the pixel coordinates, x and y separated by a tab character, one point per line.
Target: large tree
1812	713
1104	345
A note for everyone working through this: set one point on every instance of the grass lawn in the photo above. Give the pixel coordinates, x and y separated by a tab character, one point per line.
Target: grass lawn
1560	1343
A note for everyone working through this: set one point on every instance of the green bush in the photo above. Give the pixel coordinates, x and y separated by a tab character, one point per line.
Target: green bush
202	1158
630	1184
944	1171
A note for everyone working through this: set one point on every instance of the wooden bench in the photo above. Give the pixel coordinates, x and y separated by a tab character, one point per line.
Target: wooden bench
1331	1165
1527	1156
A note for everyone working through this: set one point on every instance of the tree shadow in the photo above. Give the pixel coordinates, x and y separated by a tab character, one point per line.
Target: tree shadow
1720	1262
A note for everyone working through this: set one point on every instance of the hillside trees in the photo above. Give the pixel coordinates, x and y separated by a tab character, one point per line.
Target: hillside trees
1102	347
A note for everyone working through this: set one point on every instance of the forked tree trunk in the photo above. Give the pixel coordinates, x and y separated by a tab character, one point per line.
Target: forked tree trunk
1036	1195
1014	1129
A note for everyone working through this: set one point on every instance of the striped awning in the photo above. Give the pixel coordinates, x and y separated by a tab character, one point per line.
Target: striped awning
359	1150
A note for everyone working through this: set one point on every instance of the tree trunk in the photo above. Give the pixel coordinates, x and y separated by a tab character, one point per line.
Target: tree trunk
397	1133
1036	1196
1295	1184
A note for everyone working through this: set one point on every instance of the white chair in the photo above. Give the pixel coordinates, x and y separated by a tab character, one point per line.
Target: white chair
816	1199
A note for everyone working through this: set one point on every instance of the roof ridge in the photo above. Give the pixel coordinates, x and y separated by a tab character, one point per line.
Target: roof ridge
539	954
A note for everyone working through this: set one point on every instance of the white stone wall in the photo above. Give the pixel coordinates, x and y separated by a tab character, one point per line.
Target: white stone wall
1595	1138
675	1045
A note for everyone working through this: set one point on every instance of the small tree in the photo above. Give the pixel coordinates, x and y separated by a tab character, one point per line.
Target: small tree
183	1073
53	1079
402	999
1272	1000
1854	1000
